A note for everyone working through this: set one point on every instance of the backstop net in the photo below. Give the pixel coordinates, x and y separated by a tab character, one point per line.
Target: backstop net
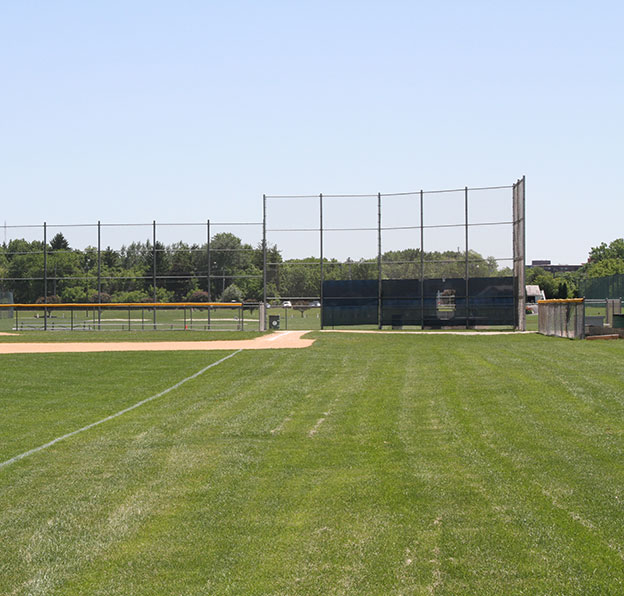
442	258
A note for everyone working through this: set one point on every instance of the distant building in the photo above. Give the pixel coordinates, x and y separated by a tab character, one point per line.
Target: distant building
546	266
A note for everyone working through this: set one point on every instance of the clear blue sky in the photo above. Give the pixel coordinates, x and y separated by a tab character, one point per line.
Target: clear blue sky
179	111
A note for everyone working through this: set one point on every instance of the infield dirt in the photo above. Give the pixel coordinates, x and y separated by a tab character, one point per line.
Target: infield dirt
279	340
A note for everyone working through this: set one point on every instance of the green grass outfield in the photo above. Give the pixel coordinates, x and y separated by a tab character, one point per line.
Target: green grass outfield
366	464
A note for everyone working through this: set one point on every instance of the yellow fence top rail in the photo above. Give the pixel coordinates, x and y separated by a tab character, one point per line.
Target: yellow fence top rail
562	301
123	304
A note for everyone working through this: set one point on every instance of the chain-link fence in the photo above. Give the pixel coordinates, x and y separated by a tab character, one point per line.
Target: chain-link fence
431	258
5	313
150	262
611	286
131	317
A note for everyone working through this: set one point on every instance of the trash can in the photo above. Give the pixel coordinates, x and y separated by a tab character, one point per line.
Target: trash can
274	321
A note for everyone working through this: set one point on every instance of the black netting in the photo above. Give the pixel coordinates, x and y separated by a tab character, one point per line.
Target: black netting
444	303
491	301
350	302
401	304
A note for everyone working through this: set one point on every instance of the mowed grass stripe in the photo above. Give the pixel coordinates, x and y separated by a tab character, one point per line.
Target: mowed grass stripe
518	466
110	417
430	474
45	396
94	491
570	441
320	489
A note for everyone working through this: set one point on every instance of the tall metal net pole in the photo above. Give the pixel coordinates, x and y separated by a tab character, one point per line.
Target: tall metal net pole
45	276
467	293
321	250
379	309
523	251
264	261
422	263
515	256
519	250
154	266
99	273
208	257
519	242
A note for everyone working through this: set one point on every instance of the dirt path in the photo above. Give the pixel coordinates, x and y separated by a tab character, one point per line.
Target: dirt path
281	339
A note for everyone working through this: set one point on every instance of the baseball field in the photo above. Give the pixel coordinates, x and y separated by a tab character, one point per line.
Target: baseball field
356	464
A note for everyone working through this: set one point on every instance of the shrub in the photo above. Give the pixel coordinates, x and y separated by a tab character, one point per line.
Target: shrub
198	296
104	297
232	294
53	299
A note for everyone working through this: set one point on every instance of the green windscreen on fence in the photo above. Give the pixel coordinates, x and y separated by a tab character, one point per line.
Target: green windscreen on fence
611	286
350	302
432	303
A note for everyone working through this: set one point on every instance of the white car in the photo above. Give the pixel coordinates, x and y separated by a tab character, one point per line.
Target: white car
287	304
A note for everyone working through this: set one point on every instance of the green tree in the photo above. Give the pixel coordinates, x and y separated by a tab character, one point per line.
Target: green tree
59	242
544	279
232	294
603	252
25	269
181	271
604	267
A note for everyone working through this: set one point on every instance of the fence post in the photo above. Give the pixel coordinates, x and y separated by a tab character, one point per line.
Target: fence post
379	309
264	264
262	317
154	268
467	263
45	276
422	263
519	242
99	274
208	256
321	249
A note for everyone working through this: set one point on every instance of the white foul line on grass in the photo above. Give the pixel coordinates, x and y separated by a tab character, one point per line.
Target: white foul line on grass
278	335
124	411
320	421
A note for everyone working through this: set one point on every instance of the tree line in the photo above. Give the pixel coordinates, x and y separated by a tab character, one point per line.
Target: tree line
603	260
236	270
126	275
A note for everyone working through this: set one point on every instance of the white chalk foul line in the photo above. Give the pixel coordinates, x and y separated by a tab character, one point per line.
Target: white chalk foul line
121	412
278	335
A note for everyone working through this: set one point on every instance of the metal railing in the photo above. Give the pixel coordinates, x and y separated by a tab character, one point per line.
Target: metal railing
158	316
